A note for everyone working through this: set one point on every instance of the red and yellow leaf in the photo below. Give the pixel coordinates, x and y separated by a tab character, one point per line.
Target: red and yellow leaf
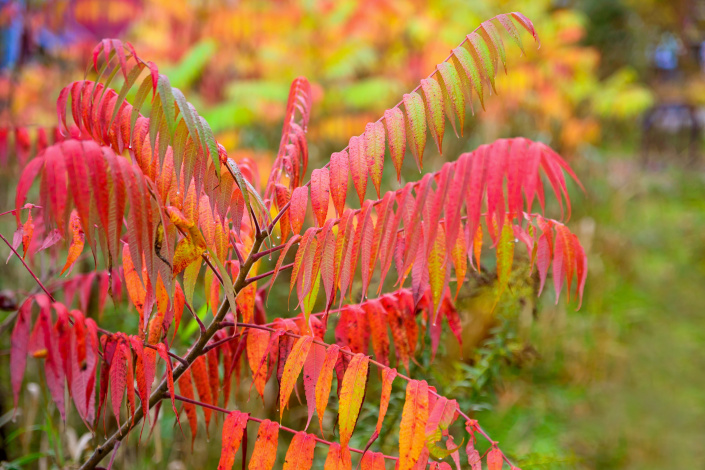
265	452
352	394
413	424
299	456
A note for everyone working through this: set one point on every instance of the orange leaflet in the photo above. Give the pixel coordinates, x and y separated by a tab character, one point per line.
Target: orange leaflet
320	193
135	289
186	389
297	208
257	341
27	234
265	453
413	423
292	369
388	376
338	458
200	377
300	453
213	373
325	379
351	396
233	428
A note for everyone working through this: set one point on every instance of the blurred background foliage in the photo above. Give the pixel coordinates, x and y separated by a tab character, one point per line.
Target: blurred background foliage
616	87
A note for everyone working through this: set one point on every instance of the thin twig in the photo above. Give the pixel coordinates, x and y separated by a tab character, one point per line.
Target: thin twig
258	420
46	291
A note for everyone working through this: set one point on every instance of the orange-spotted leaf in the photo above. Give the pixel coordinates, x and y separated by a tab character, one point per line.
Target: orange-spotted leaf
352	394
372	461
338	458
265	452
299	456
234	427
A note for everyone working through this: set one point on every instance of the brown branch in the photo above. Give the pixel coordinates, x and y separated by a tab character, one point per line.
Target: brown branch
103	450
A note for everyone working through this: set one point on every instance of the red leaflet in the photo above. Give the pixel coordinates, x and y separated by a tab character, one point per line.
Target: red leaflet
199	372
186	390
164	354
19	347
320	192
265	453
312	371
358	166
388	376
396	136
495	458
118	378
280	260
233	428
300	453
374	152
339	169
213	374
297	208
377	320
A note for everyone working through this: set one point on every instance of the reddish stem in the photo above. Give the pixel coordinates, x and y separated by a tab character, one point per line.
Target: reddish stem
46	291
258	420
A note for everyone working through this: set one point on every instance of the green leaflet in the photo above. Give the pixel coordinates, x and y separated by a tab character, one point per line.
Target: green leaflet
483	57
144	88
489	33
434	110
396	137
464	61
415	126
453	97
506	21
310	299
167	98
